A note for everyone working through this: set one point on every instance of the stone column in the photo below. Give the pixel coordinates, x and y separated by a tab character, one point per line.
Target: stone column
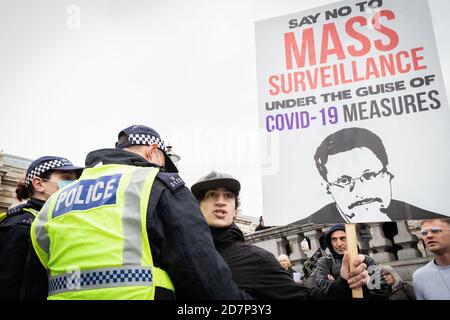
313	237
407	241
423	249
297	257
379	244
364	237
326	250
281	246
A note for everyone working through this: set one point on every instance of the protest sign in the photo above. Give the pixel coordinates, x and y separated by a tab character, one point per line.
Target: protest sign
354	94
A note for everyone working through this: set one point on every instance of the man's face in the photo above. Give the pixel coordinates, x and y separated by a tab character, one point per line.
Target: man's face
339	241
218	207
358	184
437	238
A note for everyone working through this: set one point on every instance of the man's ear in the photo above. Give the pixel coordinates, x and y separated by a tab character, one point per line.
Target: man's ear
150	150
391	176
37	184
326	186
235	214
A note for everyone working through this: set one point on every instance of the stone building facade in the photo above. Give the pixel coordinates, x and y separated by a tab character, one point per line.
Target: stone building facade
247	224
12	168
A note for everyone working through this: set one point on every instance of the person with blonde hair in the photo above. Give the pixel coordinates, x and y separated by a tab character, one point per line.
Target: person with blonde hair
286	264
400	290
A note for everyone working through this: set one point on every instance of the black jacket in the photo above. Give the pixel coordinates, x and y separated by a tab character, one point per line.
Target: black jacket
14	247
179	236
259	273
291	272
397	210
403	291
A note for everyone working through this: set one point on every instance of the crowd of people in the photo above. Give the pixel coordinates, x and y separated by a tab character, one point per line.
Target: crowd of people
126	227
430	282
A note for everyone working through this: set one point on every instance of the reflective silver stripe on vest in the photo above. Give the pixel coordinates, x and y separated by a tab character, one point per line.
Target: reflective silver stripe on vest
40	231
131	221
100	278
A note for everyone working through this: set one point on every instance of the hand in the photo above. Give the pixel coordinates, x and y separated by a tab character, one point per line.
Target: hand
330	277
359	276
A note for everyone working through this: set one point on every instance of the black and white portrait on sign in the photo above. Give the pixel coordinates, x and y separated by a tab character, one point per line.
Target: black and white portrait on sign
356	107
354	166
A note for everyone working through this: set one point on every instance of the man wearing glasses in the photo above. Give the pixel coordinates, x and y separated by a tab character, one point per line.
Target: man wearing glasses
353	164
432	281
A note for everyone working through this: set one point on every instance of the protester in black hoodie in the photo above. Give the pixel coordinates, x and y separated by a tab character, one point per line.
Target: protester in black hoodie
255	270
328	267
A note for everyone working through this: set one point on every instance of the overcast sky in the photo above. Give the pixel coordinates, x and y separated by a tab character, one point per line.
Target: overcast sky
74	73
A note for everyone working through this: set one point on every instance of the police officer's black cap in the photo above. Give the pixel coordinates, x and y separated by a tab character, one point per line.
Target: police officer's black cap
143	135
43	164
214	180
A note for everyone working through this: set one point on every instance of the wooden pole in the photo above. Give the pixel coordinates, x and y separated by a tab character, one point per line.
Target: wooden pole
352	247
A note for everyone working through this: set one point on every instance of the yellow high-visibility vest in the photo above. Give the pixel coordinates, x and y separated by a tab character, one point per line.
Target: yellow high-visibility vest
92	236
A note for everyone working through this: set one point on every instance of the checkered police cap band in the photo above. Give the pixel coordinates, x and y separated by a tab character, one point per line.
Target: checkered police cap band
146	139
42	168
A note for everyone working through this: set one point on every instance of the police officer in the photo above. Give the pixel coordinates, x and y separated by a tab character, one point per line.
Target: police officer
43	177
129	229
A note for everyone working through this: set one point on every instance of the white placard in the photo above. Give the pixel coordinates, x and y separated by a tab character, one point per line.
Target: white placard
362	80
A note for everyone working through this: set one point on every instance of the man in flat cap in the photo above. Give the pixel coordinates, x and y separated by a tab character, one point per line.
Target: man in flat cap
255	270
130	229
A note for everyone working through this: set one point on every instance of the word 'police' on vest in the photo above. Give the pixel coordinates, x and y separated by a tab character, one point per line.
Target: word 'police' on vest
87	194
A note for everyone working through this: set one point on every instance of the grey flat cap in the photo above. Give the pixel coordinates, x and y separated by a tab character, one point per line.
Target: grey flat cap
214	180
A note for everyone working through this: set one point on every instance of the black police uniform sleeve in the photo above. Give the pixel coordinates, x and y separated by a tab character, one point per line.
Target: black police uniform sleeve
186	249
35	280
13	253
